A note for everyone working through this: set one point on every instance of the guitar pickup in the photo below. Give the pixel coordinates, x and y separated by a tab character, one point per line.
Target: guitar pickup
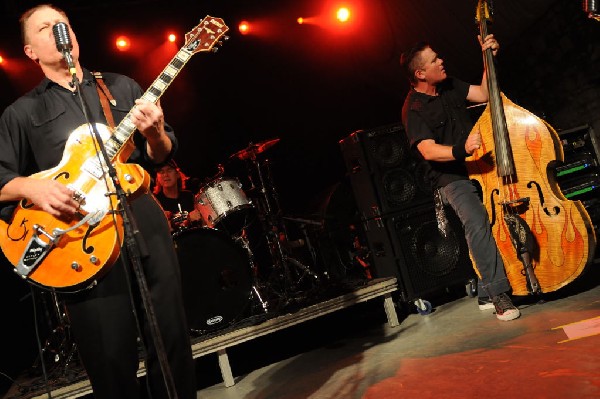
77	195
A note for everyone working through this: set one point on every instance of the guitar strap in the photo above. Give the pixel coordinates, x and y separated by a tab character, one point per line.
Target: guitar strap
105	98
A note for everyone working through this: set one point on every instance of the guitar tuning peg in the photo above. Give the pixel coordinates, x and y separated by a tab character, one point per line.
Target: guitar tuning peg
225	38
214	49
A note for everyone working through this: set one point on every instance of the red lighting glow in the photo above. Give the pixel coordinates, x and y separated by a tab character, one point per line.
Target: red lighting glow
123	43
343	14
172	38
300	20
1	60
244	27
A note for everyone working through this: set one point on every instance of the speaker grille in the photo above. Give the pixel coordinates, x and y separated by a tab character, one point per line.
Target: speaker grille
430	260
385	173
387	150
433	254
399	187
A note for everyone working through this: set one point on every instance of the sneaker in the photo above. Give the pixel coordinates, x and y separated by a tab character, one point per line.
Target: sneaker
505	310
485	303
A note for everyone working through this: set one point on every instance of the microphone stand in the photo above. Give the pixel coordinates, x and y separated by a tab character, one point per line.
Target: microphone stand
135	245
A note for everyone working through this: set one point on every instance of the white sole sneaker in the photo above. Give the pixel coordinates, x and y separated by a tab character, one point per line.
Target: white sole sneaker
508	315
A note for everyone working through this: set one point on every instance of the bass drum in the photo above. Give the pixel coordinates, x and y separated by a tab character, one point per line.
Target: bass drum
216	278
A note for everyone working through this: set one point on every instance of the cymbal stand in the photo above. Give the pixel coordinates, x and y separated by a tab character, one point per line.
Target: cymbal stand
243	240
270	215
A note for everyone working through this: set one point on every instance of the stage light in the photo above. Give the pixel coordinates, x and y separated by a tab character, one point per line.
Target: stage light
244	27
343	14
1	60
172	38
300	20
123	43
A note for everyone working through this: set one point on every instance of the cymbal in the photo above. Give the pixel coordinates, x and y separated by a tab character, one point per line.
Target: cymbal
252	150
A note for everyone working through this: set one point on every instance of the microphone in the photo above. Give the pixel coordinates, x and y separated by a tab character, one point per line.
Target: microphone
64	44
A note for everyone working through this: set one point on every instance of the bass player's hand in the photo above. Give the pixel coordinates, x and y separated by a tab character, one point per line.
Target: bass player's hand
473	142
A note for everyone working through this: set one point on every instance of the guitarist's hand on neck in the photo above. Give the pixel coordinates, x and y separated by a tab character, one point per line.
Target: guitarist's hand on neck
149	120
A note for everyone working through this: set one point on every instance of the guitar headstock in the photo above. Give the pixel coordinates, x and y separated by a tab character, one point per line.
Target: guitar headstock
206	35
484	11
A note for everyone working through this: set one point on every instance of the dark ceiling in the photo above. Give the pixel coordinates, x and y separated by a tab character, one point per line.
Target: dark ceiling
304	84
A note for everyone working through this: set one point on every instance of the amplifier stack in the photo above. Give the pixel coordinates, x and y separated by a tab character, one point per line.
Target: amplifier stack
397	214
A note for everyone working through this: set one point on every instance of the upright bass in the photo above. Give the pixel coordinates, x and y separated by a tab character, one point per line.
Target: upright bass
545	240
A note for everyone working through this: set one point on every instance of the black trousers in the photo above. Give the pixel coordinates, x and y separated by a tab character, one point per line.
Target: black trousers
104	326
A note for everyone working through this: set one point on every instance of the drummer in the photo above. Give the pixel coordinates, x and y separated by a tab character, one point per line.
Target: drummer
176	201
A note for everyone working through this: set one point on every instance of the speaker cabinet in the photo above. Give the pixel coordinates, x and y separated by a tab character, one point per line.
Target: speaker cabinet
408	245
385	174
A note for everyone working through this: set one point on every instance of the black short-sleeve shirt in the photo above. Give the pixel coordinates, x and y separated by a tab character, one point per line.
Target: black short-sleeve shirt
443	118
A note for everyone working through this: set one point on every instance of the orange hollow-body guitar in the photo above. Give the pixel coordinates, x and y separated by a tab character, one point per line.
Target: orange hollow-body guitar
73	254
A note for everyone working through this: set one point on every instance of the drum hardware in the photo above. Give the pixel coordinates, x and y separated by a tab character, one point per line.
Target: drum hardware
302	223
270	215
242	238
59	348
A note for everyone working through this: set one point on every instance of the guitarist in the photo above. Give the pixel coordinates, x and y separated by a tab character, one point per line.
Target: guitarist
33	132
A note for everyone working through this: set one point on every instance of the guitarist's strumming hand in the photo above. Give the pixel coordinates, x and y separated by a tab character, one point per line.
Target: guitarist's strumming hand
49	195
149	120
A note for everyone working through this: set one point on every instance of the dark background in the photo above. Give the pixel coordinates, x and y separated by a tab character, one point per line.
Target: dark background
308	85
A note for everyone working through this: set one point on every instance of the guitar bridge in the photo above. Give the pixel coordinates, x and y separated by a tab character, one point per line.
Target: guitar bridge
37	249
35	252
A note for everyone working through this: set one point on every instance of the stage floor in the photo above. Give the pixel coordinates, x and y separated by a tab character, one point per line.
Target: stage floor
457	351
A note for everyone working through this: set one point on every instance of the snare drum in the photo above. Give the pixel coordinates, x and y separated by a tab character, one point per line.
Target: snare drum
216	278
223	205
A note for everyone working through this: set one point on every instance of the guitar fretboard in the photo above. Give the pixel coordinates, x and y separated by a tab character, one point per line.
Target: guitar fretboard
126	128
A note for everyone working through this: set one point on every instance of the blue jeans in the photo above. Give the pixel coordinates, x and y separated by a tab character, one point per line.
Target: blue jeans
462	196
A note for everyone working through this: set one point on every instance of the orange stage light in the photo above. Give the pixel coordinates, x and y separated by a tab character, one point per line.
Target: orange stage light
300	20
244	27
172	38
1	60
123	43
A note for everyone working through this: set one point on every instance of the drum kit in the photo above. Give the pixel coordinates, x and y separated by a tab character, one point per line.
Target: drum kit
239	263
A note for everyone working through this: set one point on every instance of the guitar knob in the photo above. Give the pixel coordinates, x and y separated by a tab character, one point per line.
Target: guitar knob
93	259
76	266
128	178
